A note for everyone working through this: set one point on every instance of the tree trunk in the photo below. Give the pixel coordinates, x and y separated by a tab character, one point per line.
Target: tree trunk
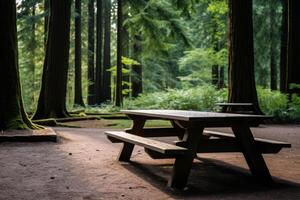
12	114
91	52
99	36
283	48
106	53
46	20
293	58
119	95
32	48
78	86
221	83
125	53
273	66
52	99
215	75
241	55
136	80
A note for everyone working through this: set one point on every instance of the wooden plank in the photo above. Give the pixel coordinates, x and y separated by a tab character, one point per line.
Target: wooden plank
159	132
234	104
203	117
155	145
258	140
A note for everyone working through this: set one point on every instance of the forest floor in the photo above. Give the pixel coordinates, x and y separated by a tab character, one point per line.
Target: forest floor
82	166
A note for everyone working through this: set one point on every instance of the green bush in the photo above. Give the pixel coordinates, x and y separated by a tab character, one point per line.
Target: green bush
202	98
272	102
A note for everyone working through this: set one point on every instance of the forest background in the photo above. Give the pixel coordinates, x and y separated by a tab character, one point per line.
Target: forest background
175	56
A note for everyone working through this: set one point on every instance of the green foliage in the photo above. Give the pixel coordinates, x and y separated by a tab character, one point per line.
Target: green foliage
201	98
272	102
195	65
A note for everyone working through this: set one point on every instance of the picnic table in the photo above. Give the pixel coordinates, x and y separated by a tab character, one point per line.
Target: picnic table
189	127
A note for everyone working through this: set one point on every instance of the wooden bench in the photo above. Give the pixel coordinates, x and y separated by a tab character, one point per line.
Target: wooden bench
244	108
265	146
163	148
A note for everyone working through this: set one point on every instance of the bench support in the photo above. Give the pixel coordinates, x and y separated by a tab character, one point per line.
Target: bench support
183	164
251	153
126	150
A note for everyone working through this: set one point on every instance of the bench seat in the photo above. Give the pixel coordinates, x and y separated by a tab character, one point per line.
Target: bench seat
264	145
148	144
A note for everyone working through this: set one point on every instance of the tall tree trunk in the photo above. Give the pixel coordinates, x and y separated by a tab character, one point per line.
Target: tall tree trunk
91	52
283	48
106	53
78	86
125	52
119	78
52	99
136	80
46	20
215	68
241	54
293	58
32	48
12	113
273	66
99	36
221	83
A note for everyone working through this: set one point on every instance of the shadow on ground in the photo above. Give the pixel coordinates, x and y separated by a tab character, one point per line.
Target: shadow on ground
214	179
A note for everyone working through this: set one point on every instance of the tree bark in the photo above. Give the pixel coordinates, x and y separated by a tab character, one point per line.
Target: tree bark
283	48
12	113
78	86
241	55
137	71
52	99
119	78
99	36
106	53
293	58
32	48
273	66
46	20
91	52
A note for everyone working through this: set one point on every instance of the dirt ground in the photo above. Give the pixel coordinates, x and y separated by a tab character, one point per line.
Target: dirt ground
83	166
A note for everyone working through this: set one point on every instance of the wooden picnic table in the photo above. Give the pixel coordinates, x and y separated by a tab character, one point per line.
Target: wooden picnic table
189	127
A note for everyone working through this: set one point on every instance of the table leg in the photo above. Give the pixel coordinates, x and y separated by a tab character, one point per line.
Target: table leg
251	153
183	164
127	148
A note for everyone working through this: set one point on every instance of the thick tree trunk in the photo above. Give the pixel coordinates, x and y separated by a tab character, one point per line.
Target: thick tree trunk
91	52
106	53
52	99
119	95
283	48
12	114
99	36
78	86
136	80
241	54
273	66
293	58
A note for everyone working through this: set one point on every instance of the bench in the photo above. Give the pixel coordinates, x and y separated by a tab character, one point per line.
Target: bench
265	146
150	145
244	108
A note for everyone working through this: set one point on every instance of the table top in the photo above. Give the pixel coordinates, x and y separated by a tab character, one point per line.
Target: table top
186	115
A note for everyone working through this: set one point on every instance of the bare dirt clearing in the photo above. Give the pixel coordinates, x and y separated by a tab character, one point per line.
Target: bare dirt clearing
82	165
